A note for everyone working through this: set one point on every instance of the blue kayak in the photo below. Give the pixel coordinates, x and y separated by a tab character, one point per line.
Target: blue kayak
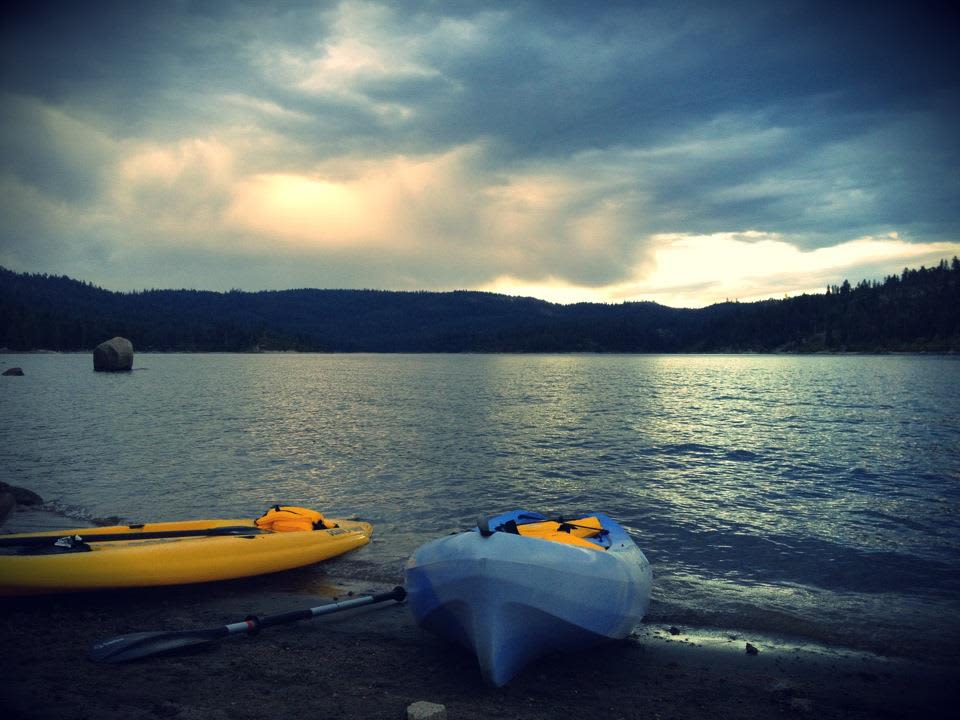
521	585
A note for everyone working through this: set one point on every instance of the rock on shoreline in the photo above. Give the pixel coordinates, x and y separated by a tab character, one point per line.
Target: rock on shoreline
7	503
11	496
22	496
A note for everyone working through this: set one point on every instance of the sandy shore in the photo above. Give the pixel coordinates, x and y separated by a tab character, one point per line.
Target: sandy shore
373	662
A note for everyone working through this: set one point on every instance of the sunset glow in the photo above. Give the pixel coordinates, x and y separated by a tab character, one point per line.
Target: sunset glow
694	271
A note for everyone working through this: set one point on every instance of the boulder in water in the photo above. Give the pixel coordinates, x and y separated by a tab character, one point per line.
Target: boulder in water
114	355
13	371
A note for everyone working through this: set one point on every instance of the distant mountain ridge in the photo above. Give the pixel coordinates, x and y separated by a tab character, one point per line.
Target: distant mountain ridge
914	311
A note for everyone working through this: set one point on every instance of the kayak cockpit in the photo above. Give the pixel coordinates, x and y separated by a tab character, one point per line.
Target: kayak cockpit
587	532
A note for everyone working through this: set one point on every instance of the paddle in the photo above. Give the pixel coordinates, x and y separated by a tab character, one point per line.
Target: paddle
124	648
35	540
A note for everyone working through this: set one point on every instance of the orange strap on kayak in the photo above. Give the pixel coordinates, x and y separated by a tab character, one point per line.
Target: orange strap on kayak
290	518
572	532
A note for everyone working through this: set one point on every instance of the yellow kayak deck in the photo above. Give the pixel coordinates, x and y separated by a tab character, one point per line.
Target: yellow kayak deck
172	560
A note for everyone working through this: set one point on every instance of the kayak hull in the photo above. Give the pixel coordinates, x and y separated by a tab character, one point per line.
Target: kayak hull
511	599
172	561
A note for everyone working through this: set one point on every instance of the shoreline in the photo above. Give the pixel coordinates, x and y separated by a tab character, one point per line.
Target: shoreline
374	662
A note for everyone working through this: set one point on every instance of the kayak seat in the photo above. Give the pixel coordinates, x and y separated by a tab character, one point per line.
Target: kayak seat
570	532
290	518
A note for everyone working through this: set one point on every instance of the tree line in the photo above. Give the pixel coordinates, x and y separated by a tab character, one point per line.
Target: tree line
916	310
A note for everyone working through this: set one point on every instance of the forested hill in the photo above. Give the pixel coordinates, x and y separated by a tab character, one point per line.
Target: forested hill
918	310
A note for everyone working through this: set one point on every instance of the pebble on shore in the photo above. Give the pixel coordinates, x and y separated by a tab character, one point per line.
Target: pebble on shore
423	710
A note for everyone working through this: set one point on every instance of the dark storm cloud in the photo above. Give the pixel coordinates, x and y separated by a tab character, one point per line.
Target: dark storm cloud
132	63
600	78
543	77
51	153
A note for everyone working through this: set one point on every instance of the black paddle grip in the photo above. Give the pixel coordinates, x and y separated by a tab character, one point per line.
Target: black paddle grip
398	594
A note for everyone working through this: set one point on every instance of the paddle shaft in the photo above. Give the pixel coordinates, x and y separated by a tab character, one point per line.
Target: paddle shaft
35	540
253	624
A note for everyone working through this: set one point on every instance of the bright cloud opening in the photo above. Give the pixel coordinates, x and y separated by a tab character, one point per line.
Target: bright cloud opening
350	203
302	208
699	270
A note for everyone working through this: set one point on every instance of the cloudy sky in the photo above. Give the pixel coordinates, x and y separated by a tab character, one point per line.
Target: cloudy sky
681	152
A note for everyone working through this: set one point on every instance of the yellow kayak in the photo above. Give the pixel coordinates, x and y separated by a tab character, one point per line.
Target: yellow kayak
172	553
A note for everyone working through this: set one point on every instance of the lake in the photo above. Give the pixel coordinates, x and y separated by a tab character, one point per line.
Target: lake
809	496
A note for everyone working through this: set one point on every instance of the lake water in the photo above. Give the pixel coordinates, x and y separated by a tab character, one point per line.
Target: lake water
805	496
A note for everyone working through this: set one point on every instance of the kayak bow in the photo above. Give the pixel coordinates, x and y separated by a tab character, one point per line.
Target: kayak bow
519	586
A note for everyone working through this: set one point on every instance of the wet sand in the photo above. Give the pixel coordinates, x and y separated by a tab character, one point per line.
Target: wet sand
373	662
